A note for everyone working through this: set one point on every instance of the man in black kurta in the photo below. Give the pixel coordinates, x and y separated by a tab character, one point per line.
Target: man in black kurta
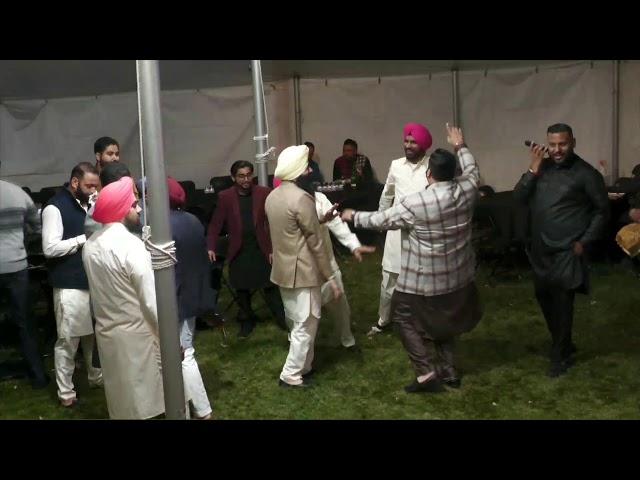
569	210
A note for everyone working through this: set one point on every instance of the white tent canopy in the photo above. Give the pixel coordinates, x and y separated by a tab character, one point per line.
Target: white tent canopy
52	111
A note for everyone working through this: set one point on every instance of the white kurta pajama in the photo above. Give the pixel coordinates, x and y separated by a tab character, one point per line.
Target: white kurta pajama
122	288
72	309
404	178
338	310
302	308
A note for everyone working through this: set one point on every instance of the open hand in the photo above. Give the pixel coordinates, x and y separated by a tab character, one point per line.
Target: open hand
363	249
454	135
331	213
537	154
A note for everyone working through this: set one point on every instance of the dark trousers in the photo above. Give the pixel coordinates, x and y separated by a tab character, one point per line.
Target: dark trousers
426	353
17	285
272	299
557	308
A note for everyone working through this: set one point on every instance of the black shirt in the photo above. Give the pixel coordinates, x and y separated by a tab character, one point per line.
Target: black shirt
568	203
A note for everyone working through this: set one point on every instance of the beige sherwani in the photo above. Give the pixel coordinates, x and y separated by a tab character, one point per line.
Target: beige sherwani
301	264
122	289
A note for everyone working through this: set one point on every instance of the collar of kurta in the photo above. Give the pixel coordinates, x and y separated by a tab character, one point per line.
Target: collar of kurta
416	165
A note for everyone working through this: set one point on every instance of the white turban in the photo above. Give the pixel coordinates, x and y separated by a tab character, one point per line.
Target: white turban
292	162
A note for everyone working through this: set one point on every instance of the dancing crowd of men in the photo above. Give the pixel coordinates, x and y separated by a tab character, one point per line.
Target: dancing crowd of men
278	242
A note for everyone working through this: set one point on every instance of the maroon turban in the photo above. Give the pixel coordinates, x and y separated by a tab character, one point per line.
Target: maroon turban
177	197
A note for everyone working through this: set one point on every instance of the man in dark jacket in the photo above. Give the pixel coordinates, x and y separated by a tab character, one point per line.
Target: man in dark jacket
241	209
192	290
569	211
62	240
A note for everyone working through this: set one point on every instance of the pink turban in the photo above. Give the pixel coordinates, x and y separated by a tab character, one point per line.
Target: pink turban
114	201
177	197
420	133
276	183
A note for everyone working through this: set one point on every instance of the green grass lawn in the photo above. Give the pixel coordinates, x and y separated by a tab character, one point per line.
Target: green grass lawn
503	362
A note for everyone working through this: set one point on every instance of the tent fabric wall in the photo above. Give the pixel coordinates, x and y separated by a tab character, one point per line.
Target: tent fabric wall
501	109
373	112
204	132
629	117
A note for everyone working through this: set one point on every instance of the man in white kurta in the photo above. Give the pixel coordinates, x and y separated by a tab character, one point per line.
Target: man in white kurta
122	288
407	175
62	239
338	309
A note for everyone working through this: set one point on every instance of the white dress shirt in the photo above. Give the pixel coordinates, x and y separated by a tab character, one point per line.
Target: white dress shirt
52	230
339	228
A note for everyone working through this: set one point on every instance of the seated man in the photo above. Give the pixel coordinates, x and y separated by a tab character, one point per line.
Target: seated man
316	175
352	167
624	201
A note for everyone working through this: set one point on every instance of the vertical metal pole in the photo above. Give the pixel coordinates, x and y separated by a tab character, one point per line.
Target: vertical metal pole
298	112
615	134
261	127
454	98
158	214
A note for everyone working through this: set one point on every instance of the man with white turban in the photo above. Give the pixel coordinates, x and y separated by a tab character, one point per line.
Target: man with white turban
123	296
300	261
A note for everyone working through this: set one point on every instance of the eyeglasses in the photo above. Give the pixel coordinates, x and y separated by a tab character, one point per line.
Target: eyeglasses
248	176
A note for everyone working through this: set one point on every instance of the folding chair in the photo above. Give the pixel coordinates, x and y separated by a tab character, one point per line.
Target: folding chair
234	296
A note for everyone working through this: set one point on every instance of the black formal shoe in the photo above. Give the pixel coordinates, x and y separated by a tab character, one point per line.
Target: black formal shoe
452	382
559	368
430	386
288	385
309	375
40	383
353	349
246	327
215	320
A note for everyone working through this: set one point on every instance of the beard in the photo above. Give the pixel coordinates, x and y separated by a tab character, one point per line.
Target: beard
132	222
304	182
82	197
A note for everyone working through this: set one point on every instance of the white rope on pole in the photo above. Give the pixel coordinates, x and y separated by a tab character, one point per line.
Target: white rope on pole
162	256
262	157
143	183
